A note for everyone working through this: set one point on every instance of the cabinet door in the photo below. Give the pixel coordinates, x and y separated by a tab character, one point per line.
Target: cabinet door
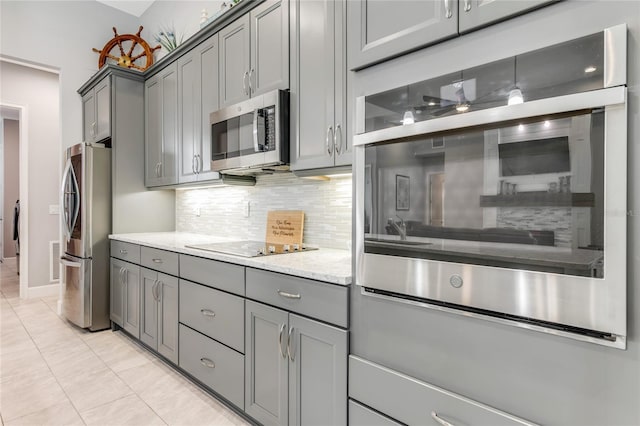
383	29
89	116
210	102
234	62
266	364
314	56
343	151
103	109
149	308
269	47
478	13
188	115
167	294
169	160
153	130
317	373
131	301
116	291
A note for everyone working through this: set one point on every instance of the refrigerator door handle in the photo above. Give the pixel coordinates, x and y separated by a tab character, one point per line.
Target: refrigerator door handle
68	262
63	200
76	207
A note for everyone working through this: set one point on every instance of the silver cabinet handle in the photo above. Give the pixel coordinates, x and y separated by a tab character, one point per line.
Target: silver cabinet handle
122	251
157	260
467	5
251	89
289	295
289	351
207	313
122	276
193	165
338	146
93	129
207	363
282	354
329	140
440	420
160	287
448	13
153	290
244	82
158	169
198	164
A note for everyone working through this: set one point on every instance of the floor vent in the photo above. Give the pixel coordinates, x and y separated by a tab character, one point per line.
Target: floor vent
54	265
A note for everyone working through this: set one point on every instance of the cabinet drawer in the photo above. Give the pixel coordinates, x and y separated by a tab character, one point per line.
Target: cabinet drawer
220	275
214	313
159	260
359	415
316	299
414	402
125	251
215	365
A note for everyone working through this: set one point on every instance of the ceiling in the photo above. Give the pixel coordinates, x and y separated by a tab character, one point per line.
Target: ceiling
132	7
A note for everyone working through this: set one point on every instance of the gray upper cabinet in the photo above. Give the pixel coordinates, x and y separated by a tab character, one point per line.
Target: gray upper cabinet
125	296
197	98
317	373
96	112
295	369
161	117
478	13
159	313
383	29
254	54
318	101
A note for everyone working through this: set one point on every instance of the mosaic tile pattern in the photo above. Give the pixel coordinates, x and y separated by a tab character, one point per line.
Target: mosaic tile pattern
557	219
327	207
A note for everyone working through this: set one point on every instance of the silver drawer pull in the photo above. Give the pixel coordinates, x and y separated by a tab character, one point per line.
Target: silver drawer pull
207	313
207	363
122	251
157	260
440	420
289	295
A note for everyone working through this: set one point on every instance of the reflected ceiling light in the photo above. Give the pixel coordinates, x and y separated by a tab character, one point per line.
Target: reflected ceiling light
431	103
463	107
408	118
520	127
590	69
547	123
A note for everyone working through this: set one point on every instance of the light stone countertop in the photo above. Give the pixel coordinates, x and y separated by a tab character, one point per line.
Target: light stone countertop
328	265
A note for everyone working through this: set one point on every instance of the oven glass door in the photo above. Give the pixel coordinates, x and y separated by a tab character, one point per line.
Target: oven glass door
526	196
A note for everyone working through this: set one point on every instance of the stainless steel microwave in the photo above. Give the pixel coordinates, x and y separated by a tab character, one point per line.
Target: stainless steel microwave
499	191
251	135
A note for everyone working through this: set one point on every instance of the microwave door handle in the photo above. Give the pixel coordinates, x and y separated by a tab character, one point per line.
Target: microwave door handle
63	200
256	146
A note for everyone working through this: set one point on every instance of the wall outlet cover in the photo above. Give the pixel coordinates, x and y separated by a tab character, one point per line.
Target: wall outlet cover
54	209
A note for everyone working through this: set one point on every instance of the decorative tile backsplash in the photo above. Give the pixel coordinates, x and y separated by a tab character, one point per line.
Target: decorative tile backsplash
557	219
222	210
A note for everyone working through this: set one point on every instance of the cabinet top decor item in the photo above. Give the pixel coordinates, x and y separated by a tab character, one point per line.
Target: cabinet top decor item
128	59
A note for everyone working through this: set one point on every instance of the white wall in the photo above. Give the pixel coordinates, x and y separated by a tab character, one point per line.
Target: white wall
61	34
38	92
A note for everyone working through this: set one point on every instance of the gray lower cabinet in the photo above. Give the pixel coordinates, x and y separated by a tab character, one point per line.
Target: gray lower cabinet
359	415
197	98
161	117
318	85
381	30
159	313
96	112
295	368
478	13
125	296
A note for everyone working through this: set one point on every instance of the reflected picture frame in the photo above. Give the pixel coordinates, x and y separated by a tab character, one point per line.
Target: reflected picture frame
402	192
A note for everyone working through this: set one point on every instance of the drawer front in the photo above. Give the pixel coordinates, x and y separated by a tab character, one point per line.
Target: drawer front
316	299
359	415
215	365
125	251
414	402
159	260
214	313
220	275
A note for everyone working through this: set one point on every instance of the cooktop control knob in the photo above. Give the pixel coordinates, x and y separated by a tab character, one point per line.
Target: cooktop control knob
296	247
456	281
285	247
272	249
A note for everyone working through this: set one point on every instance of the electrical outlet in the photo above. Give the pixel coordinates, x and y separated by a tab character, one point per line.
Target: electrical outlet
246	207
54	209
197	211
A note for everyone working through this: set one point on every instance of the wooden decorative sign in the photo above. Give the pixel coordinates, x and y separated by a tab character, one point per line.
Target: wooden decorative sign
285	226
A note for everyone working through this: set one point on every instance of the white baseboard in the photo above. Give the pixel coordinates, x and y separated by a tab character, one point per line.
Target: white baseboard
43	291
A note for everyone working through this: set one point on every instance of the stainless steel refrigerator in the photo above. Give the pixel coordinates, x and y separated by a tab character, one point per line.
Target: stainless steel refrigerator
86	217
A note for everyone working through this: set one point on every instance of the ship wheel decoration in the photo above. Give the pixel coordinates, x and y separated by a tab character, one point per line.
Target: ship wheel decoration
127	59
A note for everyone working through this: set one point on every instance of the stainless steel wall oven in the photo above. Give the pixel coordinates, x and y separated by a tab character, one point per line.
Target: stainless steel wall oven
499	191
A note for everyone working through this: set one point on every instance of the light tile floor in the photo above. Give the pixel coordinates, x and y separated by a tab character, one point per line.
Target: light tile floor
54	373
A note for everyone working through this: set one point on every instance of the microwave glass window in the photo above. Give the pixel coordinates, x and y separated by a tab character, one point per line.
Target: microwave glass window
572	67
524	196
232	138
